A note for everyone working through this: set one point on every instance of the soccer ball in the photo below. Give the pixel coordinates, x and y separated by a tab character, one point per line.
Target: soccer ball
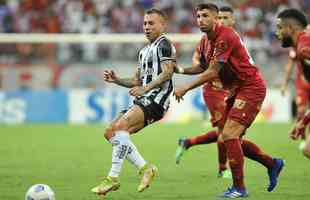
40	192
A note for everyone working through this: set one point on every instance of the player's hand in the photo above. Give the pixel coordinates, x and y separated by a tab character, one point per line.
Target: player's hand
179	93
137	91
109	76
298	131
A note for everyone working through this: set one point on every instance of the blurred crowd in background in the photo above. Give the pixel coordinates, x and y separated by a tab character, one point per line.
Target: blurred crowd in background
255	20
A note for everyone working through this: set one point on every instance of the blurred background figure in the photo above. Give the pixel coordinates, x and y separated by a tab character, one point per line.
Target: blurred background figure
46	65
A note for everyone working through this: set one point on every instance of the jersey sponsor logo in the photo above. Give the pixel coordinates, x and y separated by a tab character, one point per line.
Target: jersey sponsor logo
147	71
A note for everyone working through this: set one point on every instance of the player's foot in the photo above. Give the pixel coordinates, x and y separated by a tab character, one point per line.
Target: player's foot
274	173
182	147
107	185
225	174
234	193
148	172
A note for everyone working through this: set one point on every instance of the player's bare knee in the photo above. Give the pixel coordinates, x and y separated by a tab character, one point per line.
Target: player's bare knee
120	125
232	130
109	133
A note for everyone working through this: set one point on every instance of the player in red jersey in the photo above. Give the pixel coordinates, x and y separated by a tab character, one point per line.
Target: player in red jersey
151	85
291	31
213	93
302	91
227	59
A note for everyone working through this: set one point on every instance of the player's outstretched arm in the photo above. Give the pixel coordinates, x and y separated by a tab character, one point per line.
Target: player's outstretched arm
210	74
195	69
168	67
288	72
110	76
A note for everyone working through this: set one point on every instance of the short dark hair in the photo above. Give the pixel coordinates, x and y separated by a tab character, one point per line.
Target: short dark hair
294	14
156	11
226	9
208	6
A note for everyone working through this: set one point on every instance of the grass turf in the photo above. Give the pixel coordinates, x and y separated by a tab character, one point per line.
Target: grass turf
72	159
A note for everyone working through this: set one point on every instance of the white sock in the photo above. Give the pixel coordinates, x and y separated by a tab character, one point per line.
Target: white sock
134	157
119	152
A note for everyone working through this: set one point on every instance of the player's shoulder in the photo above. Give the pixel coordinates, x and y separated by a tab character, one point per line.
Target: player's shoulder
164	42
227	32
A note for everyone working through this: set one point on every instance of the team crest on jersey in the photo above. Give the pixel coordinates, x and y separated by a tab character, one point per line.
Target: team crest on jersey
239	104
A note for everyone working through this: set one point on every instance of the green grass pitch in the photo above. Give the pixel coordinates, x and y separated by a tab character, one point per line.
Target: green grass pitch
72	159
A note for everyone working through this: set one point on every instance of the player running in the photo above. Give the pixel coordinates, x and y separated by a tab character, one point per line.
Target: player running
214	97
292	32
151	86
227	59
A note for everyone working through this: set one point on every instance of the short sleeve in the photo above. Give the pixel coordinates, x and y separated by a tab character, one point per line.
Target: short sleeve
166	51
140	59
304	49
224	45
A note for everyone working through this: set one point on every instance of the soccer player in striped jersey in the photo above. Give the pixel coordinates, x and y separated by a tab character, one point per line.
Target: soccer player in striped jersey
151	86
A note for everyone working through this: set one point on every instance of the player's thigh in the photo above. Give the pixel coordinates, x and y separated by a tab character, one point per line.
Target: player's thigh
131	121
232	130
246	105
215	102
109	131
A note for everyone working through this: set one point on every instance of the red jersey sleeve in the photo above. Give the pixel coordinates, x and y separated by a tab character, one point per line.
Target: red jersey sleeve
224	45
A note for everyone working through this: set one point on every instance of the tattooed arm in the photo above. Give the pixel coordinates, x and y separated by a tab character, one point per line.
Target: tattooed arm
110	76
168	67
166	74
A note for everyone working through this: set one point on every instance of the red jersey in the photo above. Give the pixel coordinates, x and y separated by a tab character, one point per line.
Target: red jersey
303	54
228	48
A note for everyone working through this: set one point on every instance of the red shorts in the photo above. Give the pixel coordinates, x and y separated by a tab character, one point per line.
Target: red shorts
246	102
214	99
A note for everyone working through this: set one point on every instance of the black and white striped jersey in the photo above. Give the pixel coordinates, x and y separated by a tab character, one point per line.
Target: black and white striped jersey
150	61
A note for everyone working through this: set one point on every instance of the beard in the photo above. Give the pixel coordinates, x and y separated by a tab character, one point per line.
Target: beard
287	42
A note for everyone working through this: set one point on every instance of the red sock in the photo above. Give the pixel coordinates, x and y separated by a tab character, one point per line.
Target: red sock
236	161
253	152
222	156
207	138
